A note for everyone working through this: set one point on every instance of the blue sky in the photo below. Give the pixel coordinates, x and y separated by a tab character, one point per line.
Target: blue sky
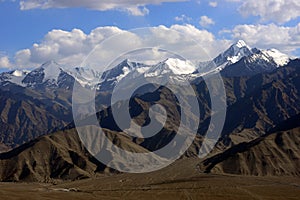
28	22
25	27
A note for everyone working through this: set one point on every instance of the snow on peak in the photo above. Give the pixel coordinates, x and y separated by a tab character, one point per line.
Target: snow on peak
51	70
15	76
49	64
233	54
86	73
18	73
234	59
125	71
86	77
278	57
178	66
241	44
237	51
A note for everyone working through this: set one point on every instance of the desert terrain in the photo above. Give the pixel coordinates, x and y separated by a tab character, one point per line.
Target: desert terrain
181	180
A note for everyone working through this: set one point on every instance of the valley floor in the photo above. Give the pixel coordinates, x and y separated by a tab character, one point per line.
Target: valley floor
201	187
179	181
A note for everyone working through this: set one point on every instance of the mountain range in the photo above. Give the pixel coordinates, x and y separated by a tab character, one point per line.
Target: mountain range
262	88
238	60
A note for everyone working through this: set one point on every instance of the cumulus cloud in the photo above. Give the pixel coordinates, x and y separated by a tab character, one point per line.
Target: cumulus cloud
134	7
286	39
70	48
206	21
279	11
23	59
193	43
4	62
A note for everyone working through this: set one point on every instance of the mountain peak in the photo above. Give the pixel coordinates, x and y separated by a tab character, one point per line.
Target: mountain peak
51	70
126	62
176	66
48	72
233	54
19	73
241	44
50	64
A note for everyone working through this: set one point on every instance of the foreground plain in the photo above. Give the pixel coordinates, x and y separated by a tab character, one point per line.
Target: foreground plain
181	180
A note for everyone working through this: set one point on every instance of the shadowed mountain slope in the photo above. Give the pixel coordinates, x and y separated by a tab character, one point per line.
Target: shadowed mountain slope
26	114
256	105
276	153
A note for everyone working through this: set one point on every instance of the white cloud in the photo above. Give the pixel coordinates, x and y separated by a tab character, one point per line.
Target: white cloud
138	11
4	62
134	7
22	59
209	45
183	18
279	11
213	4
286	39
206	21
58	42
70	48
184	40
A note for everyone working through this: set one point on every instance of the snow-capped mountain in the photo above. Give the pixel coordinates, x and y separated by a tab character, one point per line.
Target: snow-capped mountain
242	60
233	54
15	76
238	60
172	66
51	74
241	50
279	58
260	61
171	69
126	68
48	74
86	77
